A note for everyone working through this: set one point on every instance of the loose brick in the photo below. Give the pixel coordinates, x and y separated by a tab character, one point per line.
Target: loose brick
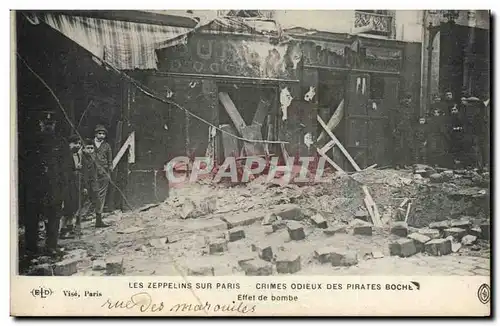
319	221
235	235
288	212
296	231
403	248
288	263
114	266
420	241
217	246
201	271
98	265
324	255
463	223
264	252
344	258
476	231
469	240
66	267
269	219
485	231
399	229
441	225
335	229
377	254
456	233
257	267
438	247
447	175
431	233
244	219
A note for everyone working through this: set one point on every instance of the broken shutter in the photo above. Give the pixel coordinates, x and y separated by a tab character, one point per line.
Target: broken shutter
357	118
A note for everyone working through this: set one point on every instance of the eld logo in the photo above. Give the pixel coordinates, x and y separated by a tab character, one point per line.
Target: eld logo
41	292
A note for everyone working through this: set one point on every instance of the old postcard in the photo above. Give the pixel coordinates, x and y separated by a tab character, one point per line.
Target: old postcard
251	163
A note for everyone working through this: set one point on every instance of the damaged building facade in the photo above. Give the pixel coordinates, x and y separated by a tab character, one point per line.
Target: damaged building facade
258	76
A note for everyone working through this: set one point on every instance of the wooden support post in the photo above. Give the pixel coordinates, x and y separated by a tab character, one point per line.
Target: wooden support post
130	145
332	136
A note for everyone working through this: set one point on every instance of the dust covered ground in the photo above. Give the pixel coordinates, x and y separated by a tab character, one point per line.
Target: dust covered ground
216	229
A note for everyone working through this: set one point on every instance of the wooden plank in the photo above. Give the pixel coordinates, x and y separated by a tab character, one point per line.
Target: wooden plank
369	208
130	145
229	143
332	136
407	212
376	214
252	132
232	111
261	113
328	146
329	160
334	120
371	167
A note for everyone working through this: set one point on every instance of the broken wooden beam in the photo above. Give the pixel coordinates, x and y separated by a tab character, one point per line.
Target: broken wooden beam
329	160
232	111
261	113
376	214
334	120
339	144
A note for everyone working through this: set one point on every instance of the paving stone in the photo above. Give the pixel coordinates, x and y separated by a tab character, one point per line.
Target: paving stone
268	229
469	240
420	241
288	212
269	219
257	267
235	234
66	267
79	254
296	231
455	246
363	229
331	230
436	178
288	263
438	247
244	219
462	223
344	258
319	221
264	252
42	270
403	248
217	246
201	271
98	265
279	225
476	231
447	175
362	215
324	254
456	233
399	229
203	224
441	225
485	231
114	266
377	254
431	233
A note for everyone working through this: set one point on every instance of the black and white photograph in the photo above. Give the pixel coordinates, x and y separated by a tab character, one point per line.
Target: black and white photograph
202	143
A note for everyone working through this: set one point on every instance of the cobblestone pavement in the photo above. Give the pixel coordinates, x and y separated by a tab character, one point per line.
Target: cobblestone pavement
190	250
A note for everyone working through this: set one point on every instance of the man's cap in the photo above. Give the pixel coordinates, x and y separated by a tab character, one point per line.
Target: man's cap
100	128
88	141
74	139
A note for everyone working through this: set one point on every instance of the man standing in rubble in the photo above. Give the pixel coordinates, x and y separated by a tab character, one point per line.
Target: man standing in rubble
400	123
42	182
104	158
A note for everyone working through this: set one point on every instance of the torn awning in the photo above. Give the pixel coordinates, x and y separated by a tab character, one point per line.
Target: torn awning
125	45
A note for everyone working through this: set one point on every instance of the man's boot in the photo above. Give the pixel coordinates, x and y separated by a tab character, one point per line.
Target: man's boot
98	221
